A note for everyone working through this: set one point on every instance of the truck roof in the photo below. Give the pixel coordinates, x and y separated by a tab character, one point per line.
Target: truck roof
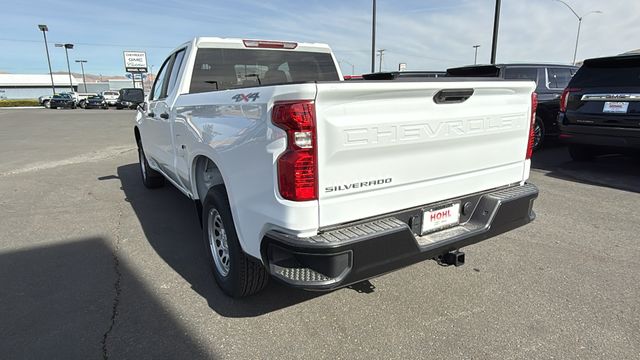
237	43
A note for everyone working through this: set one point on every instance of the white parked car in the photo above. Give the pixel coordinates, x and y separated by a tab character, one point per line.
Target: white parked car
322	183
111	97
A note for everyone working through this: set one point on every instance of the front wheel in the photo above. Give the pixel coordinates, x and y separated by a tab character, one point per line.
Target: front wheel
237	274
150	178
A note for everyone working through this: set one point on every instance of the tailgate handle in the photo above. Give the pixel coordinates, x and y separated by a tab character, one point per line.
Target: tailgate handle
452	96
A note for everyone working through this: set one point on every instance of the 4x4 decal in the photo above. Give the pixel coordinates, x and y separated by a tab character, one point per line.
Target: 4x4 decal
242	97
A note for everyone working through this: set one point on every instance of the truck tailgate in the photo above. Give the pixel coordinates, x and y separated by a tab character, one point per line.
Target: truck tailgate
388	146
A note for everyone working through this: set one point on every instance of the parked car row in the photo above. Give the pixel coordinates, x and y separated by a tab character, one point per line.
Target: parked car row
103	100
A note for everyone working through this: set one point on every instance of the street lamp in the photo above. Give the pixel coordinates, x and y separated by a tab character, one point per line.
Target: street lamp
84	81
348	63
575	52
66	51
44	30
381	51
475	57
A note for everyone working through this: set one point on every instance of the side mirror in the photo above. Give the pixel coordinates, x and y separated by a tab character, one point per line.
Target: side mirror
142	107
135	96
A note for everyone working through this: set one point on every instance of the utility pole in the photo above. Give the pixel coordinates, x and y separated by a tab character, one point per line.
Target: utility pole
44	30
381	51
84	81
575	51
66	48
373	39
475	57
496	25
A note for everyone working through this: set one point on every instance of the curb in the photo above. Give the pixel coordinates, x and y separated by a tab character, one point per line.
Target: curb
21	107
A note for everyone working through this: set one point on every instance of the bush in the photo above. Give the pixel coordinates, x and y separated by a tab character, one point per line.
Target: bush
22	102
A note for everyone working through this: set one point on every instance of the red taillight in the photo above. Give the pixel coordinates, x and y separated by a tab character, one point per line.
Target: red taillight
564	99
298	165
534	105
269	44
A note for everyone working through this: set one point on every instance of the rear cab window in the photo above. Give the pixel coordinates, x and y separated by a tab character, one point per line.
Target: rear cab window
221	69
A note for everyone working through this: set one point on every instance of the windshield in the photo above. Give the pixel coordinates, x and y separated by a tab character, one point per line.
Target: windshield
219	69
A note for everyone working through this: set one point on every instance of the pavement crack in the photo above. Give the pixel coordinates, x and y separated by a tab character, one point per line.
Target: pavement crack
117	289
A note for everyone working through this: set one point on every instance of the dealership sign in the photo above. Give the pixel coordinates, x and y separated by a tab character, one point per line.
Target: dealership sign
135	61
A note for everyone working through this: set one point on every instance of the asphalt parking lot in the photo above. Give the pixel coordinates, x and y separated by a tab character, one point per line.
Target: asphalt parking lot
94	265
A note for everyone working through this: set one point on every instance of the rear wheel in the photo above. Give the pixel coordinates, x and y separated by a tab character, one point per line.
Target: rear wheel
236	273
582	152
538	133
150	178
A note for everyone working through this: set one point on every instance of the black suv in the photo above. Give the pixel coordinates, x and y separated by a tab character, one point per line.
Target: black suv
125	104
550	80
600	110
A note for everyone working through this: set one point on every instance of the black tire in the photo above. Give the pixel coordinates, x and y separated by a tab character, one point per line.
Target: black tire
244	275
539	133
52	107
581	152
150	178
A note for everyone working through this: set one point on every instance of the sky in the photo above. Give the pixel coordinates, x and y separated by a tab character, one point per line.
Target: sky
426	35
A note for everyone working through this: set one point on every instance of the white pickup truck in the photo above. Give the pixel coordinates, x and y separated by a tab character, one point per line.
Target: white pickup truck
321	183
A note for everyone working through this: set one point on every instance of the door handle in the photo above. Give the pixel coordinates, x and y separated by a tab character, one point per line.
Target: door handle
151	114
164	116
452	96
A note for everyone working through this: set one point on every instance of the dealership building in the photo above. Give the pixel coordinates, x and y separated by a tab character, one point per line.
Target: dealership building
32	86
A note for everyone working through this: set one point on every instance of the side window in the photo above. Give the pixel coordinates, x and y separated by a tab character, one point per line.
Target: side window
158	86
521	73
558	78
175	70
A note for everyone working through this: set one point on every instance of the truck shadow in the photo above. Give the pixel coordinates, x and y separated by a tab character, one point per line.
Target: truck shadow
170	223
72	300
613	171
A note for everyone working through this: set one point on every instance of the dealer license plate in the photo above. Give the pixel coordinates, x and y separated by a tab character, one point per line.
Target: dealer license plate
615	107
440	218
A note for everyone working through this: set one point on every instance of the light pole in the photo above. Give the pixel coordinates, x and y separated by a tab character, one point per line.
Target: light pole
44	30
84	81
381	51
66	48
575	51
348	63
496	26
475	57
373	39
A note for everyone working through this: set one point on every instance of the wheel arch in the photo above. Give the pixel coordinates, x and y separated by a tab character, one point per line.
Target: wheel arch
136	133
200	183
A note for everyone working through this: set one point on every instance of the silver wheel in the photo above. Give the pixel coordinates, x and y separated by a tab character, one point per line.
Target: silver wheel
218	242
